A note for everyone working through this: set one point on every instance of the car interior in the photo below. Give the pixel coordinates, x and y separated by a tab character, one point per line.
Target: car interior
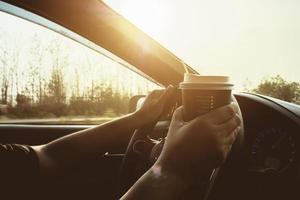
264	163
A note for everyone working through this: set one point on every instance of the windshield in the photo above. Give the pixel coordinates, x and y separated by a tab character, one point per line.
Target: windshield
256	43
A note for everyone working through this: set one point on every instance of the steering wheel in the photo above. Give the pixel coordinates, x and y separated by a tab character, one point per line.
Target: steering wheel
142	152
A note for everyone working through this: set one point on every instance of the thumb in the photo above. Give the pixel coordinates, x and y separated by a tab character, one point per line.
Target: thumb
167	94
177	119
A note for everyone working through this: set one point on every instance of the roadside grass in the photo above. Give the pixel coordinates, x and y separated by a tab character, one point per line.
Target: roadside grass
70	119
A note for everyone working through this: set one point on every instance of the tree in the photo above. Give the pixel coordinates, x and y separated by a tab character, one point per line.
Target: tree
35	63
9	61
54	100
56	87
279	88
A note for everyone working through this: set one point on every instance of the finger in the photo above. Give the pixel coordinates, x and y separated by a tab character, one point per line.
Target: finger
236	131
167	94
222	114
177	116
155	94
152	96
231	124
232	135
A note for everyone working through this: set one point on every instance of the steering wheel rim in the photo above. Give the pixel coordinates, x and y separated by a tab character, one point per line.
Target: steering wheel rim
131	168
135	161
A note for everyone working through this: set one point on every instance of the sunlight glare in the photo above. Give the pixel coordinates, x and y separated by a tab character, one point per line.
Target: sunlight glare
149	16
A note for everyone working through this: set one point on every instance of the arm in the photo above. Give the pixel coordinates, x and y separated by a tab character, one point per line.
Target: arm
158	184
191	148
62	153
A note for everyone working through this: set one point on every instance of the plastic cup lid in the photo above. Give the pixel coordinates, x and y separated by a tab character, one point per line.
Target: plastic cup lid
195	81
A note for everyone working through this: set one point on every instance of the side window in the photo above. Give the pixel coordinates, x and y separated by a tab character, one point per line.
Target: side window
48	78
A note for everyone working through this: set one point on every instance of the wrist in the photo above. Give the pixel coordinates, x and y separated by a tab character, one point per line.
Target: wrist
158	171
157	184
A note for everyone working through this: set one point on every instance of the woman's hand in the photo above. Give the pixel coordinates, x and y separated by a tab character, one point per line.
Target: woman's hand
201	144
193	147
154	105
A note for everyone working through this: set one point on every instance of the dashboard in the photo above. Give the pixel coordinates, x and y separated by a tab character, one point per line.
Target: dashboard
272	135
271	158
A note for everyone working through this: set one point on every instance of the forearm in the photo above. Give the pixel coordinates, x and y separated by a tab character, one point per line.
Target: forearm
70	149
156	184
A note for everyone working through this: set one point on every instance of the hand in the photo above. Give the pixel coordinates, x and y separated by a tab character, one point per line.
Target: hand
201	144
154	105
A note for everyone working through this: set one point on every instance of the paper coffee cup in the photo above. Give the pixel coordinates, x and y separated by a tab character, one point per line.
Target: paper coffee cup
201	94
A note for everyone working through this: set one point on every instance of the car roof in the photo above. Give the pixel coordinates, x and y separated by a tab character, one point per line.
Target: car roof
97	22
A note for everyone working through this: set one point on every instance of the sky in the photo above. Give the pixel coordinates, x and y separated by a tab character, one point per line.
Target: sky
247	40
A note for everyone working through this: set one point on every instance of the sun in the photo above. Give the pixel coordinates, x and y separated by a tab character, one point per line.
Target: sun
147	15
